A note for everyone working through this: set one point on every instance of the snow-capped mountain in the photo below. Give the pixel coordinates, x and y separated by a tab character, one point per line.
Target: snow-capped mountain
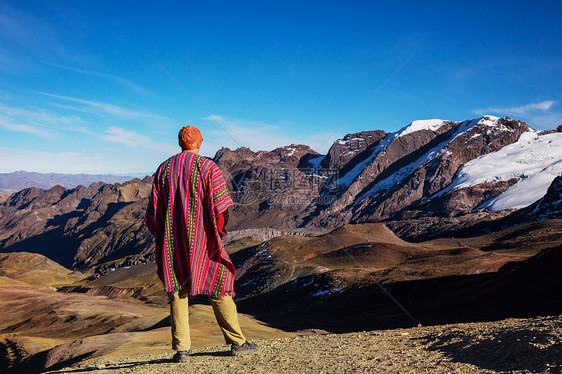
535	160
399	175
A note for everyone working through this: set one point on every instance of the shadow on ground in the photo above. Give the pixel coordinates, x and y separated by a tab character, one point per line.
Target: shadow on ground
118	368
529	350
131	365
522	289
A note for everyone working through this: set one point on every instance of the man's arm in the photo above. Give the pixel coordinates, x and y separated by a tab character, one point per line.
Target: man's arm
153	219
222	220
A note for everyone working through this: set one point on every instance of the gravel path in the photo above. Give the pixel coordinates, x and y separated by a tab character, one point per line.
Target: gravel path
509	346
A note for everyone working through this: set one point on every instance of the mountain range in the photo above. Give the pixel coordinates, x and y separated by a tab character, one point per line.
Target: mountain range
18	180
426	180
413	172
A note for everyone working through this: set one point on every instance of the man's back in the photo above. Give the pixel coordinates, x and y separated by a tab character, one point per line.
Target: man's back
189	193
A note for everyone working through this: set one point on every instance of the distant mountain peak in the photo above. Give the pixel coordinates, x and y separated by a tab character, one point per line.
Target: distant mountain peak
19	180
419	125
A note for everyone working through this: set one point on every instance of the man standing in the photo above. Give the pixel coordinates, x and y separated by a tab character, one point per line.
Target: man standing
186	214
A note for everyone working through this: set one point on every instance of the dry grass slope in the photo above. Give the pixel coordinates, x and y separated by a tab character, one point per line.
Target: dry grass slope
41	327
33	268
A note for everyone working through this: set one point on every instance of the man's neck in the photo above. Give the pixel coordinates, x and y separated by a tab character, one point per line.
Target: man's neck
194	151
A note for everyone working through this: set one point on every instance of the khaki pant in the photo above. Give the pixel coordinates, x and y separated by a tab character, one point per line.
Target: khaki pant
225	313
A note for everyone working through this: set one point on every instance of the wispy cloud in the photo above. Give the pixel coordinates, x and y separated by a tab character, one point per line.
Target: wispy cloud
256	135
123	146
519	110
67	162
36	121
135	140
120	151
126	137
122	81
106	108
7	124
539	115
14	159
547	120
38	115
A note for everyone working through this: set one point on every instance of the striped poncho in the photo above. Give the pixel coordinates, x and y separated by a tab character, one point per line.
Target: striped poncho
188	193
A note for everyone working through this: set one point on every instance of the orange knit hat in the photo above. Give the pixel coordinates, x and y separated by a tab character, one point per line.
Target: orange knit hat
190	137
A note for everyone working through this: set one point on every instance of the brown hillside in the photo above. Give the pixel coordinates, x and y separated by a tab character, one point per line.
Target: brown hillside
33	268
41	327
299	248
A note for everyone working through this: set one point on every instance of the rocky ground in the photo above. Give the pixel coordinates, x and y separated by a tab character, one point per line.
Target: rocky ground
510	346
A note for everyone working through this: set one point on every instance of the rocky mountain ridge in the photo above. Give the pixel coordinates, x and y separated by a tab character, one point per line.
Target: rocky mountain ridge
408	167
344	150
400	178
79	226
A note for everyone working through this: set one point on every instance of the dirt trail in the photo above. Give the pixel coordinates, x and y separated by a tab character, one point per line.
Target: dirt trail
509	346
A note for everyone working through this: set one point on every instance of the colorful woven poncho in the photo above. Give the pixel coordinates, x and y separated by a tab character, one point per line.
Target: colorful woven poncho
188	193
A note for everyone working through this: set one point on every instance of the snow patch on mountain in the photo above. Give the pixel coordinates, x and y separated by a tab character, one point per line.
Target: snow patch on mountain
349	141
350	176
427	124
535	159
314	163
489	121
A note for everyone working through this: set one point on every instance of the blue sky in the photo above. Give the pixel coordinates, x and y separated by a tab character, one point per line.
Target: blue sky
104	86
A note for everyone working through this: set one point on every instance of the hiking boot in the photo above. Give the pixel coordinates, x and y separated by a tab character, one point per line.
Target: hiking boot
181	356
242	349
